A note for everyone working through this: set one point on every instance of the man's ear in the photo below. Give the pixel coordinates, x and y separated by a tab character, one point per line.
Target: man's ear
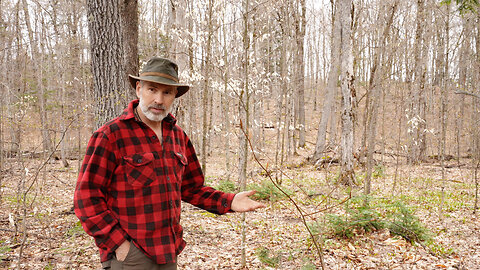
138	88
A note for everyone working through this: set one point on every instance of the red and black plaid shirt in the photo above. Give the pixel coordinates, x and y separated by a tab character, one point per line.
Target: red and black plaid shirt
130	187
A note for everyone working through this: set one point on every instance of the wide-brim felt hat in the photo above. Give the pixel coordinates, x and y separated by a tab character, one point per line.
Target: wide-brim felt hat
160	70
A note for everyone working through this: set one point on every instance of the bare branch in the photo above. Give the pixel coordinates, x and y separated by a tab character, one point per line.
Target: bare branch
467	93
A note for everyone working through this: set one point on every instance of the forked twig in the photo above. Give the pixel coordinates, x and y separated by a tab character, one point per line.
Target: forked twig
304	221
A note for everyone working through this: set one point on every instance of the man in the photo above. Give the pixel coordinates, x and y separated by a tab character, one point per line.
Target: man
137	169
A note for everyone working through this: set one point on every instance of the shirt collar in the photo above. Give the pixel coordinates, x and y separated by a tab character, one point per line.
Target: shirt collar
129	114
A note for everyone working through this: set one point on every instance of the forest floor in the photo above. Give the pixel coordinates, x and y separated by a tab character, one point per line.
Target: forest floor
276	237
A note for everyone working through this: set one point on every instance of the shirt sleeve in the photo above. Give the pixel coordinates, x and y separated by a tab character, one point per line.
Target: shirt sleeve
89	199
194	190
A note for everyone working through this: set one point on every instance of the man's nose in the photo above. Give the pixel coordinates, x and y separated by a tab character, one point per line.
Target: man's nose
159	98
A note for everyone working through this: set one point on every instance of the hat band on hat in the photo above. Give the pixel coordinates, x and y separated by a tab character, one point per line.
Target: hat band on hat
159	75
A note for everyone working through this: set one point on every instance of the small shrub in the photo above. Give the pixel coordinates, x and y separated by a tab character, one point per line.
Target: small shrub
439	249
75	230
263	255
309	266
357	220
226	186
404	223
266	190
378	171
361	218
4	250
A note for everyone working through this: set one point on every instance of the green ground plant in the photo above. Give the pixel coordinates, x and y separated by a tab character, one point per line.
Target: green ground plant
358	219
266	190
361	218
3	250
75	230
263	255
403	222
226	186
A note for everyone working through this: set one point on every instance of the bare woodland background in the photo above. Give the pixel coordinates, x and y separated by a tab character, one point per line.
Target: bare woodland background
308	83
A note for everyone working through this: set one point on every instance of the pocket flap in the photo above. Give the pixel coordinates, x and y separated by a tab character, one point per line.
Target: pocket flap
181	157
139	159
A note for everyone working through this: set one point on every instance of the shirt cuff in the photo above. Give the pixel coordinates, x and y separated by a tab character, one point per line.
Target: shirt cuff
115	238
226	203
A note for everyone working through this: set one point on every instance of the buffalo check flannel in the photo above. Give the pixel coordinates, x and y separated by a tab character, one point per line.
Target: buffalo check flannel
131	185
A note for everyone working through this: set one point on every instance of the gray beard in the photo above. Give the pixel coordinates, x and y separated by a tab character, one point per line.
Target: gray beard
152	116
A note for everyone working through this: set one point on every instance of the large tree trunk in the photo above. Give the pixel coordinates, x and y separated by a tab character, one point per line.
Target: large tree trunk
107	28
417	104
130	43
172	24
347	173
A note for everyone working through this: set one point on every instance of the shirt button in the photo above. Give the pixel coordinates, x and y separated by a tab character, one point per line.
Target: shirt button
171	203
168	178
154	137
139	160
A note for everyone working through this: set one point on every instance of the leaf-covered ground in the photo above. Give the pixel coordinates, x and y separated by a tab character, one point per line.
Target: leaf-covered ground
275	236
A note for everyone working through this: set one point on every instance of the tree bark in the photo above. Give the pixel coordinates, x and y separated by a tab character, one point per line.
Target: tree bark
347	174
107	28
130	43
417	104
172	22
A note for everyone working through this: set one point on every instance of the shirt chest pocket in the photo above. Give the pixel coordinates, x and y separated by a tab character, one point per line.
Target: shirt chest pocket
140	169
180	162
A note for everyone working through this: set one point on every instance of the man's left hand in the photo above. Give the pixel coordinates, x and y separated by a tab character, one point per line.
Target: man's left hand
242	203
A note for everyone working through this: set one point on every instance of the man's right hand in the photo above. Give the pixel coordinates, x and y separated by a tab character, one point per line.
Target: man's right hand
122	251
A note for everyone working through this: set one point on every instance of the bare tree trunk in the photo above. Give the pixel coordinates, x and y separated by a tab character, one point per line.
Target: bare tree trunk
191	95
375	87
300	105
46	139
333	77
281	124
444	52
417	105
205	97
465	52
19	87
347	174
172	22
244	116
130	43
3	92
226	103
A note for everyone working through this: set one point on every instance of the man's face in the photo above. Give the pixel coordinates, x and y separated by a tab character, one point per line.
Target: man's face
155	99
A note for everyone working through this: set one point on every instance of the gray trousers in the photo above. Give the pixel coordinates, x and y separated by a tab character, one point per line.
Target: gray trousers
136	260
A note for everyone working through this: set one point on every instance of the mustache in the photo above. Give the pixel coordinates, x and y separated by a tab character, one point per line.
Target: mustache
157	106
